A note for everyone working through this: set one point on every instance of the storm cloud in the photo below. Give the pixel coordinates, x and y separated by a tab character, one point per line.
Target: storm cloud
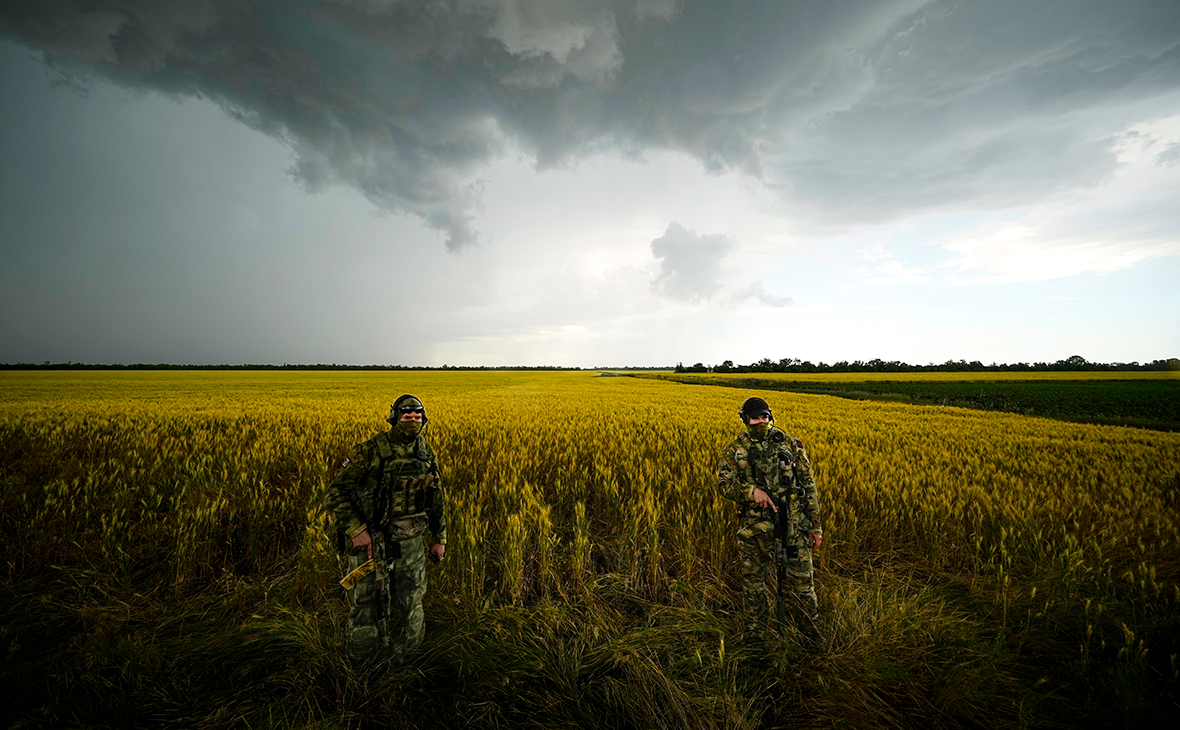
848	111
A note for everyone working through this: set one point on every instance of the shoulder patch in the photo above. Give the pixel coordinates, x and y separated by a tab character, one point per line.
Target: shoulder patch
798	444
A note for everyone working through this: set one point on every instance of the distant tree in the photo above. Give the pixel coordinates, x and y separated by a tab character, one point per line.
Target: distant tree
765	365
1077	362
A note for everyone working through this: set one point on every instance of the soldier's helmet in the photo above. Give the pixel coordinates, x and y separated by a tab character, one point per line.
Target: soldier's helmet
403	404
754	407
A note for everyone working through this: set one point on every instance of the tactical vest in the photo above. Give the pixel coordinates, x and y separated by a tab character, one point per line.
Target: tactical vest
769	465
397	499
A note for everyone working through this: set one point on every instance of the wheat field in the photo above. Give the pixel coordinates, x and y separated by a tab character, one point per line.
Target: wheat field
978	568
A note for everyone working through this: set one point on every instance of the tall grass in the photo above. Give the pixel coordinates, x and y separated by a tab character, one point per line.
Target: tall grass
167	562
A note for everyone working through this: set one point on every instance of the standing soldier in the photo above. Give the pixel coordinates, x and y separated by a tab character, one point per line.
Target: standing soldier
768	474
384	498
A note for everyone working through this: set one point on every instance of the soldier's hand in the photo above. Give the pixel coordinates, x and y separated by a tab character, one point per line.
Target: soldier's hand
816	540
763	500
436	552
363	540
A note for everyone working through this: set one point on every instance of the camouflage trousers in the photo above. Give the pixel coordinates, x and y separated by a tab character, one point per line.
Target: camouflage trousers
405	624
770	569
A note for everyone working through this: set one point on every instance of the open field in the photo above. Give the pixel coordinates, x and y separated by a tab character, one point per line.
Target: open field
166	563
1139	399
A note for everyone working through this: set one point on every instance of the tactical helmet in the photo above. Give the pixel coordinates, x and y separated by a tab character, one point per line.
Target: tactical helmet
754	407
407	402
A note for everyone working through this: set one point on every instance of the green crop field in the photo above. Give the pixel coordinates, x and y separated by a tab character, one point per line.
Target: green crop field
167	563
1140	399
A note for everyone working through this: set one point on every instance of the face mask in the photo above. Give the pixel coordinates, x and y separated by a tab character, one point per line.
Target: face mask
758	430
408	428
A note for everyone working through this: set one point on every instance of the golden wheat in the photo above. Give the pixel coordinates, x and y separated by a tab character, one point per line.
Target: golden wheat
559	482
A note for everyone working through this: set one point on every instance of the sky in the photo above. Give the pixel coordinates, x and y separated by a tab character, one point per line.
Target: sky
588	182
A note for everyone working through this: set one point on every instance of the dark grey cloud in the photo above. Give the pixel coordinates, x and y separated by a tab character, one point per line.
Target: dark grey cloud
689	262
852	110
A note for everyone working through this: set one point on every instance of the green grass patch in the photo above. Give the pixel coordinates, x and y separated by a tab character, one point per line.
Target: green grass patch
1142	403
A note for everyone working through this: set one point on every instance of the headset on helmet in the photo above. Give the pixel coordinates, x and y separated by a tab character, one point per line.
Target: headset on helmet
405	401
754	407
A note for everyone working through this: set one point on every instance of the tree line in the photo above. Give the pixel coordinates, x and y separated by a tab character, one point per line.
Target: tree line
794	365
765	365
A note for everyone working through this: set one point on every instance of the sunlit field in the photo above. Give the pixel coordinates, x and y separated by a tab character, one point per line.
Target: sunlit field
167	561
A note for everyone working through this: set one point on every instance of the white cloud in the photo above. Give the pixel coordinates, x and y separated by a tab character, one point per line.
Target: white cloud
1128	219
1021	253
757	291
887	270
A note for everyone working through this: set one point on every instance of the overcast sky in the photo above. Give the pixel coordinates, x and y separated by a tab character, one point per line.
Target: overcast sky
588	182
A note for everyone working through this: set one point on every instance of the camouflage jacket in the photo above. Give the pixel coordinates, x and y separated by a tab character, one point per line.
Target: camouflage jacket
776	467
392	483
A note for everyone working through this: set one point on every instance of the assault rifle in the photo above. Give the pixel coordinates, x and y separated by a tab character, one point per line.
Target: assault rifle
377	562
782	516
782	522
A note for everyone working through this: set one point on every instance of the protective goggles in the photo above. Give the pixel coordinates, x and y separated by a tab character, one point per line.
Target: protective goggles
411	409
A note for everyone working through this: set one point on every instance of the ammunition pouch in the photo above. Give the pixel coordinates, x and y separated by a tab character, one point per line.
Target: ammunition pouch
405	496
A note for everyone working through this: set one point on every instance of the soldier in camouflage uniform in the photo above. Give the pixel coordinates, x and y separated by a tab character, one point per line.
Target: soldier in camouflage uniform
382	501
768	474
